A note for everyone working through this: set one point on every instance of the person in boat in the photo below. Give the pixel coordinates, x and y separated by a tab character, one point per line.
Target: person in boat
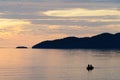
90	67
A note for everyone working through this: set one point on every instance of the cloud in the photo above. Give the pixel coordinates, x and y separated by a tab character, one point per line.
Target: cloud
10	27
92	21
63	0
29	10
2	13
78	12
12	22
78	31
93	0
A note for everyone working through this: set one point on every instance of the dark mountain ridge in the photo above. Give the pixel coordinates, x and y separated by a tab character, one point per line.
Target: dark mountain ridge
101	41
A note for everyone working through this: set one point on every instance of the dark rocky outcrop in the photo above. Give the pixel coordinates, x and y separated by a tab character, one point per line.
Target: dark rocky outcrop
20	47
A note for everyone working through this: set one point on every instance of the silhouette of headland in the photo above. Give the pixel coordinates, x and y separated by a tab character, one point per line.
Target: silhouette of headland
20	47
100	41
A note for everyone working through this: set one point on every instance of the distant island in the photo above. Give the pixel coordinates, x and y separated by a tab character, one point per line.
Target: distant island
101	41
20	47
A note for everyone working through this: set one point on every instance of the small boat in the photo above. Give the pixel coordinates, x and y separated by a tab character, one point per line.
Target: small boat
90	67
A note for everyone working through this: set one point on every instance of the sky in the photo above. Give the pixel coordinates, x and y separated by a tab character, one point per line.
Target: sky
28	22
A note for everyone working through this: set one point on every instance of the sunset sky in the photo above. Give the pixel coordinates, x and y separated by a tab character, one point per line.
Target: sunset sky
27	22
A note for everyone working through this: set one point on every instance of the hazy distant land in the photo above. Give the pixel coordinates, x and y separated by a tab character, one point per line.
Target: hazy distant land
101	41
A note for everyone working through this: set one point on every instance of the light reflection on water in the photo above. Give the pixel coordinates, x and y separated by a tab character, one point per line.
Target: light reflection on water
45	64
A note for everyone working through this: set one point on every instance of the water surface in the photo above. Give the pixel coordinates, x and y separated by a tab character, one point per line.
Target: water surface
51	64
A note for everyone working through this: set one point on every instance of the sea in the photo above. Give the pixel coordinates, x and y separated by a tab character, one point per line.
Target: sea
59	64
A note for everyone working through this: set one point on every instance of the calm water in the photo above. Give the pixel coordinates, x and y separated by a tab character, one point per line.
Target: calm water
38	64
